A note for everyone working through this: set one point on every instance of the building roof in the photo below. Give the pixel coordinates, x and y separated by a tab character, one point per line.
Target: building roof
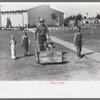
20	11
90	18
57	10
45	5
37	7
13	11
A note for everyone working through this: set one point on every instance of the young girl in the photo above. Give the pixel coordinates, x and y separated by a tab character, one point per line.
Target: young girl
13	47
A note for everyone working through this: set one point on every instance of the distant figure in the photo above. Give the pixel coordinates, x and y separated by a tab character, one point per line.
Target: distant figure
91	26
78	41
26	26
13	47
25	42
19	26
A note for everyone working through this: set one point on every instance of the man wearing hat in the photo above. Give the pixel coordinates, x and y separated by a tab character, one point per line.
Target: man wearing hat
40	34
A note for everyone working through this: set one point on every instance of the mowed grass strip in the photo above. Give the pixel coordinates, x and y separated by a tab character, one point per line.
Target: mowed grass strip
90	41
25	68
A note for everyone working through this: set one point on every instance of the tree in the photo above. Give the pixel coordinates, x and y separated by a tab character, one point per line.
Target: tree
53	16
74	17
66	22
98	16
84	17
79	17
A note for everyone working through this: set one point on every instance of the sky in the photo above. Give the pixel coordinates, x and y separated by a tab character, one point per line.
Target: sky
68	8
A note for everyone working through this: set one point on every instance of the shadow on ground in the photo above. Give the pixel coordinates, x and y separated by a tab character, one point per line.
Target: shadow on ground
87	54
60	63
31	55
24	56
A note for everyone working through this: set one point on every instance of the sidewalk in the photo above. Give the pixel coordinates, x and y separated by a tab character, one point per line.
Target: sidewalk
87	52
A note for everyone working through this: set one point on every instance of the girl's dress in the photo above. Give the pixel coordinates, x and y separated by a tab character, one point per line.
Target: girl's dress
13	49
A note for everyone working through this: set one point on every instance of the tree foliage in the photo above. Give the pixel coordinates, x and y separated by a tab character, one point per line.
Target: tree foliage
98	16
53	16
66	22
84	17
79	17
73	17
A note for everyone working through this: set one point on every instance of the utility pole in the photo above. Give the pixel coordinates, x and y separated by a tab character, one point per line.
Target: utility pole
66	14
87	15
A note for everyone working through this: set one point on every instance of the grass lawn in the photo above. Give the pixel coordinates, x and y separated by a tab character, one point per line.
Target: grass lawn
25	68
90	41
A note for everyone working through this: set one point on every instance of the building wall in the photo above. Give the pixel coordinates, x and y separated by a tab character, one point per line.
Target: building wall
43	11
34	13
90	21
60	15
16	19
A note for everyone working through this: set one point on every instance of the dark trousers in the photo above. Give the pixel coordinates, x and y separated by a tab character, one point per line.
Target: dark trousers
42	40
25	48
79	49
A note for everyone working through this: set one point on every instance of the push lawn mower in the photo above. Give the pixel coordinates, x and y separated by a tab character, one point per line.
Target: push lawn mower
46	53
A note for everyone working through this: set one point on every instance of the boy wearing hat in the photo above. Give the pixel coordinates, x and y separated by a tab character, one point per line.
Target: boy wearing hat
40	34
25	43
78	41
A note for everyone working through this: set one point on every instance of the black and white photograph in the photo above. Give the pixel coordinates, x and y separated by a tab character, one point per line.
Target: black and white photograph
50	42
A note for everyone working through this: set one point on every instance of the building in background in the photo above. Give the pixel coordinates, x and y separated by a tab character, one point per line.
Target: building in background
52	17
31	16
90	20
18	18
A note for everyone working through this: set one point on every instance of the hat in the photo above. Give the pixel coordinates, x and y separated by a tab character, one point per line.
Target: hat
41	20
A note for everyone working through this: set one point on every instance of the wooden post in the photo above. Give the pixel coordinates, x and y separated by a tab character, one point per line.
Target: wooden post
91	26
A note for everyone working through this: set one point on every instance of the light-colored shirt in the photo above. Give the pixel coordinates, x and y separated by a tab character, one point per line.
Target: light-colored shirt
13	43
42	29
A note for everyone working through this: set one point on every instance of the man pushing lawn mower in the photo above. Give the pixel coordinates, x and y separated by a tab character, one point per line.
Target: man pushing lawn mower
40	34
45	51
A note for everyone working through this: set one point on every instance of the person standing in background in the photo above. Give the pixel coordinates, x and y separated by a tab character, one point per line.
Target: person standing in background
78	41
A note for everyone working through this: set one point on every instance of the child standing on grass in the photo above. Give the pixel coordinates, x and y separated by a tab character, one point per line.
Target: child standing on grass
78	41
25	43
13	47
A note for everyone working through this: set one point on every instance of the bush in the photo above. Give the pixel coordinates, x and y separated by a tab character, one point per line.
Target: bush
22	28
53	26
32	26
